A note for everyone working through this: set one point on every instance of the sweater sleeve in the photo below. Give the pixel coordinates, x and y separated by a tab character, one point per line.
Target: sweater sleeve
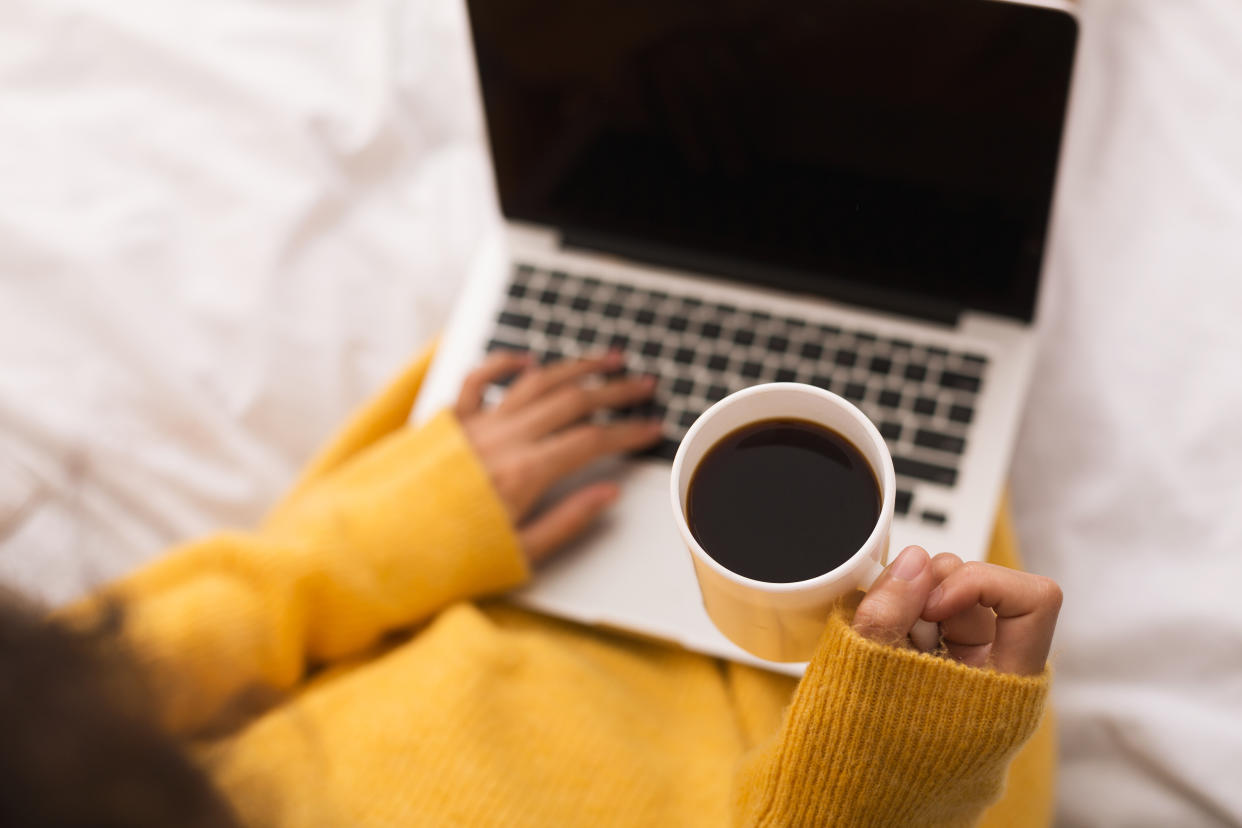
881	736
375	539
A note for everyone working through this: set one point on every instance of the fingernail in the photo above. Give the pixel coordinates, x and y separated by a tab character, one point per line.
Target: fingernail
933	599
909	564
609	495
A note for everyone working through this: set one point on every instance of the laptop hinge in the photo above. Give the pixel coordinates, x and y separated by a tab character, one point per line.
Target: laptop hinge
733	269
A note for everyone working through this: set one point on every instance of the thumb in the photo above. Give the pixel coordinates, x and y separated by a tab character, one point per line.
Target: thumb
566	520
895	601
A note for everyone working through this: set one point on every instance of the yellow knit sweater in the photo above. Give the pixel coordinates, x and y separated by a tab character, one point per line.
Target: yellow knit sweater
359	674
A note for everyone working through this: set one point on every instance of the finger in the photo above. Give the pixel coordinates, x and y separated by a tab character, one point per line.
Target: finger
535	383
968	635
566	520
574	402
895	600
570	450
497	366
1026	609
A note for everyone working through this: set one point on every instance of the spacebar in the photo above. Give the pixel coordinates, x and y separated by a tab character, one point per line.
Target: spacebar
925	471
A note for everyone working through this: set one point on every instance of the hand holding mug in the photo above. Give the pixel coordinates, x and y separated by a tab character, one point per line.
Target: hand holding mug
988	615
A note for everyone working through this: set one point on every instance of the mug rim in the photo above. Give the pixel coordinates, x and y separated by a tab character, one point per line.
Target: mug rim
888	485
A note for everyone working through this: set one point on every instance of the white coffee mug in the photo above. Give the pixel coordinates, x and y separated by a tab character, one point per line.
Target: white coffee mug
782	621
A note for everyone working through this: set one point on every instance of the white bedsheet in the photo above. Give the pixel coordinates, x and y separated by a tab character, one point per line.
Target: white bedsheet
222	224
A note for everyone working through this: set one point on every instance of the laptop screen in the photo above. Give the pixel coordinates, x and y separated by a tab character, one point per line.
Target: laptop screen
898	153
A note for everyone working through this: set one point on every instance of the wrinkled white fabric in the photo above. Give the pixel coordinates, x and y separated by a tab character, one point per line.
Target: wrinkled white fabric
222	224
1128	472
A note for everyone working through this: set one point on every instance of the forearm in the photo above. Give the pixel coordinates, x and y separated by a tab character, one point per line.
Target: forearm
882	736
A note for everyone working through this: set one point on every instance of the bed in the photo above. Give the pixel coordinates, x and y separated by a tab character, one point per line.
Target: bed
222	225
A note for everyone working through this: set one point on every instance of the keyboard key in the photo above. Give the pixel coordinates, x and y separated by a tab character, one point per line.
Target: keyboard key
812	350
652	348
718	362
586	335
902	501
683	386
890	431
684	356
613	310
645	316
554	328
580	303
881	365
590	283
619	342
760	316
821	381
549	297
657	296
935	440
962	382
855	391
786	375
558	276
864	336
716	392
961	414
663	450
902	344
925	406
829	330
976	359
678	323
709	330
935	351
916	373
936	518
846	358
516	290
552	355
779	344
742	336
890	399
523	272
503	345
930	472
751	370
691	302
687	418
515	320
726	310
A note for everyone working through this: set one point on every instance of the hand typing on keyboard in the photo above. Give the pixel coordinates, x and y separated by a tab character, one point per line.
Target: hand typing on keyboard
537	434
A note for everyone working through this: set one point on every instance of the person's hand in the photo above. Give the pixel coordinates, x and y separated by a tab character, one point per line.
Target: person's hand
536	436
988	615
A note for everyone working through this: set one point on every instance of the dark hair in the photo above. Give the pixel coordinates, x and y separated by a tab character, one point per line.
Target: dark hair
79	747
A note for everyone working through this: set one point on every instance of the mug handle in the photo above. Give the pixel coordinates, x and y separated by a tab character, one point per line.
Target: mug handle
924	634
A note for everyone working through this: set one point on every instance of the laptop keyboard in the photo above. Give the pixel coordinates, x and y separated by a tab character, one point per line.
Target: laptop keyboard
921	397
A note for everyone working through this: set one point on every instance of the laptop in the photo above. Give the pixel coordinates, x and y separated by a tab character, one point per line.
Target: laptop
853	194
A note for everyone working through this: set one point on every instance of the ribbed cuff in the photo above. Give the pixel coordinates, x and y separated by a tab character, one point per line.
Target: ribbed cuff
884	736
417	519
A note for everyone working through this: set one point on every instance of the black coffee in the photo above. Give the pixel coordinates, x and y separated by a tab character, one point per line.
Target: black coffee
782	500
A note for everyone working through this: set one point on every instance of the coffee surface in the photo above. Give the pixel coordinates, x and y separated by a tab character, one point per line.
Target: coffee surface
782	500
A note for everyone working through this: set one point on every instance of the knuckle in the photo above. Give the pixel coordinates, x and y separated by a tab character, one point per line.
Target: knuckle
975	569
877	617
595	437
1049	592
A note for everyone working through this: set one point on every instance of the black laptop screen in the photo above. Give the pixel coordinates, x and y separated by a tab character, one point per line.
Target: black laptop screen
891	152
